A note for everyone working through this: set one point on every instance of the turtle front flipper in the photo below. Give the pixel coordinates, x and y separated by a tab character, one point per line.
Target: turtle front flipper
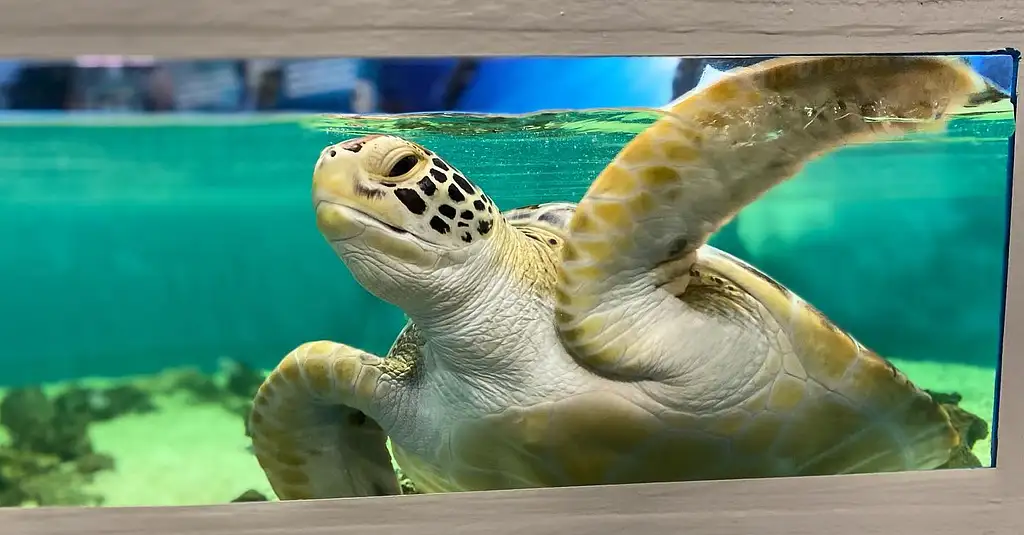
311	427
637	232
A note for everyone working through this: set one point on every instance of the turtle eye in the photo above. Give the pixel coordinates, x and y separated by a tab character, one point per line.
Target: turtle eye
402	166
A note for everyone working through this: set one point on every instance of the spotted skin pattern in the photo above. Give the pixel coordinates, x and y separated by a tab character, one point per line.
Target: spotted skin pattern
668	359
470	211
437	192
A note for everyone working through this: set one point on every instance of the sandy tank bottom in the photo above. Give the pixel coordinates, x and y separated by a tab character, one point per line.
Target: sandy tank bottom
190	447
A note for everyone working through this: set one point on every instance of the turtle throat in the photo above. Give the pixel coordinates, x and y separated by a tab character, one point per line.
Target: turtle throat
494	308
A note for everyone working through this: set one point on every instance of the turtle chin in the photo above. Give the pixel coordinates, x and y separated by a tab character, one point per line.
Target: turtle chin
392	264
417	291
350	229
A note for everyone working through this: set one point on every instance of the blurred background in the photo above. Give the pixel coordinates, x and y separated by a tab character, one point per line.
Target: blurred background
341	85
349	85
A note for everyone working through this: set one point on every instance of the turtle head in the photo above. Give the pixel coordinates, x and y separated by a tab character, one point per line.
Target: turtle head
405	222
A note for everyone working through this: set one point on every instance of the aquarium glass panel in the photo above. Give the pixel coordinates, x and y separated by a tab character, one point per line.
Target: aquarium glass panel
247	280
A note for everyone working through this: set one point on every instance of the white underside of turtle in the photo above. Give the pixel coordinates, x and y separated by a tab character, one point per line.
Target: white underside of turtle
606	342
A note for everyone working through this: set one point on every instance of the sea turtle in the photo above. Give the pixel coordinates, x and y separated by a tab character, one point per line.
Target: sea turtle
605	342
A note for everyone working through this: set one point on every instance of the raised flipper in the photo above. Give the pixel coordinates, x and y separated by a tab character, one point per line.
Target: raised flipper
638	229
312	429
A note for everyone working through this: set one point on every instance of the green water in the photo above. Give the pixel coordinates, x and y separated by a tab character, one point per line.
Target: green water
136	244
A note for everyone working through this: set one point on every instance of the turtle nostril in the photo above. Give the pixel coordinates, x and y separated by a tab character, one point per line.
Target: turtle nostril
333	153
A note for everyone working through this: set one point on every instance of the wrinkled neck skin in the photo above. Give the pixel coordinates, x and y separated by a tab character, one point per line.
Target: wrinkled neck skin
482	310
492	325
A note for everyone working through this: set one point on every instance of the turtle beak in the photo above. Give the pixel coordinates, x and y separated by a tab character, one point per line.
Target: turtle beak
334	174
334	191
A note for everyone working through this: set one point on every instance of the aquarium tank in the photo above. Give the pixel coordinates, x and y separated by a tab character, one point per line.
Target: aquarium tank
247	280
